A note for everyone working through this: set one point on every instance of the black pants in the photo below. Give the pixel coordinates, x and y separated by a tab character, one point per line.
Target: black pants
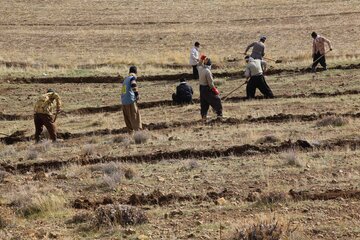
260	83
207	99
322	60
181	100
195	72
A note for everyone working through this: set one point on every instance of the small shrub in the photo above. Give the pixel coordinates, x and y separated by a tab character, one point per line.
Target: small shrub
125	140
292	159
2	176
44	146
112	174
192	164
112	214
3	222
268	139
141	137
88	150
32	153
112	180
129	172
261	231
8	151
272	197
334	121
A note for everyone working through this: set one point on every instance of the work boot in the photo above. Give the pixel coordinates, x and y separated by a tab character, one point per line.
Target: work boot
313	69
204	119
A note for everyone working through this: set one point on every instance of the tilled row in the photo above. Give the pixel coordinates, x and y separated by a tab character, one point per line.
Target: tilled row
165	77
153	104
240	150
162	199
277	118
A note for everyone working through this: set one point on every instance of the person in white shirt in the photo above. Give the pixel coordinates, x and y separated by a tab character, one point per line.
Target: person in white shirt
194	59
254	74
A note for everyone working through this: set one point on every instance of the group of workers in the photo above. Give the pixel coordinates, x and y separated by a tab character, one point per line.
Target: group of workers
209	94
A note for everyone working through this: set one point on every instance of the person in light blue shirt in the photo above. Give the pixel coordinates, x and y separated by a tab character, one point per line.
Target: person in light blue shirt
129	98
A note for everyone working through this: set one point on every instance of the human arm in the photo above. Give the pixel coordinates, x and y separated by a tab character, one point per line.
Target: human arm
134	88
194	55
57	102
248	47
263	65
247	72
328	43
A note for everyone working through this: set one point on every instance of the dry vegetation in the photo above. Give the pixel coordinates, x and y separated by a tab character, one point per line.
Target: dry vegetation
286	168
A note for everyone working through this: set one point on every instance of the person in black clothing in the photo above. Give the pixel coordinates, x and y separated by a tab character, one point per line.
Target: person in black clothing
183	93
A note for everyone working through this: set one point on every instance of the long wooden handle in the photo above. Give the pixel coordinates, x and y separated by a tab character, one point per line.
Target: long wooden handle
233	91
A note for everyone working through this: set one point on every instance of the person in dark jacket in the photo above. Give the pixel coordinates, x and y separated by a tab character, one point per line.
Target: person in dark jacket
183	93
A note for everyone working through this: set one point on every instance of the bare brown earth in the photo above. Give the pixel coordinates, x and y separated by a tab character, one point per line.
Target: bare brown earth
293	160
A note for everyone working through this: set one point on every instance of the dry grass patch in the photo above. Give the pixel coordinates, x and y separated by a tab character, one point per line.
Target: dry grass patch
333	121
292	159
29	201
267	229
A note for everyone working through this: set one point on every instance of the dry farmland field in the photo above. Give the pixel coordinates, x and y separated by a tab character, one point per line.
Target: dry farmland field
288	167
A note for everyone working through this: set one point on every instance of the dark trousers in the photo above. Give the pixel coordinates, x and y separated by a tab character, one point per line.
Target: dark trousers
260	83
322	60
46	120
207	99
181	100
195	72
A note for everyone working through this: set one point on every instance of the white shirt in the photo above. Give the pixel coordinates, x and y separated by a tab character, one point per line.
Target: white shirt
194	56
255	67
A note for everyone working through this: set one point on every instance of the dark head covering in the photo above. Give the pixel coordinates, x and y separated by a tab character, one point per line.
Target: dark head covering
314	34
50	90
208	62
133	69
197	44
182	80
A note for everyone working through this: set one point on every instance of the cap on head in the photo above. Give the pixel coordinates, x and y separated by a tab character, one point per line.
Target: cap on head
202	57
314	34
263	38
197	44
133	69
50	90
182	79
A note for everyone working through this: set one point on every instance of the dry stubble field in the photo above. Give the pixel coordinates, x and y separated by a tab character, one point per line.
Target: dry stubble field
291	160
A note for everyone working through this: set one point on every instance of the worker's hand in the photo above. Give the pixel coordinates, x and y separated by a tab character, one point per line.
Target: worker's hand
137	98
215	91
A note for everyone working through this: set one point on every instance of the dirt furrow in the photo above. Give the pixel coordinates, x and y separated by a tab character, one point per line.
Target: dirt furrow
103	24
165	77
277	118
153	104
241	150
